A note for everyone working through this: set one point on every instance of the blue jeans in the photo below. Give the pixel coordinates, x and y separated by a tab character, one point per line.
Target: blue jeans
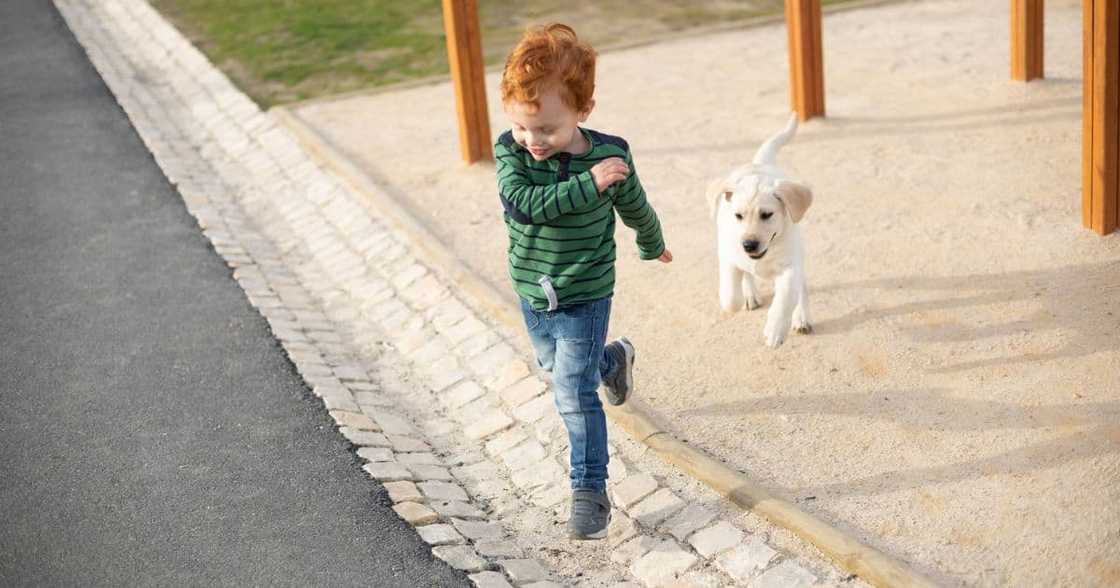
569	345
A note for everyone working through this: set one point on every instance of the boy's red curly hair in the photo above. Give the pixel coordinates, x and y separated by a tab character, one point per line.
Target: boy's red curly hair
548	56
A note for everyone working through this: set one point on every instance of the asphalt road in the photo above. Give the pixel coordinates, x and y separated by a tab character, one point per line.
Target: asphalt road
151	429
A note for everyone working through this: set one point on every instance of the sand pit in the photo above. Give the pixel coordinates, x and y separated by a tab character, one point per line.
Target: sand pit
959	404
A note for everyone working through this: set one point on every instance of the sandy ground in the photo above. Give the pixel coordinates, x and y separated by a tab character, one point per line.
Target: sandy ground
959	404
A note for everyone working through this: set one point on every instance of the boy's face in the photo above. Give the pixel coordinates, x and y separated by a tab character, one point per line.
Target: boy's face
548	129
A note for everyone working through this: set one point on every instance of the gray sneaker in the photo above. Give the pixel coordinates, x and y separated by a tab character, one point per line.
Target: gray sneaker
620	382
591	513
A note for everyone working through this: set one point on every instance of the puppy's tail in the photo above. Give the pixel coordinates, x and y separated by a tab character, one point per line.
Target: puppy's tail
768	152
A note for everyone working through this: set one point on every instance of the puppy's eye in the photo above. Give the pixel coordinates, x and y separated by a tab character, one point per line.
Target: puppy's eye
738	216
765	215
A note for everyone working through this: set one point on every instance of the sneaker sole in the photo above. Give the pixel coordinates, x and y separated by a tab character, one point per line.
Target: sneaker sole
628	349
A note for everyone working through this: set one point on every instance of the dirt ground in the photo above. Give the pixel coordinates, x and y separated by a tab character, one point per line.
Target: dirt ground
959	404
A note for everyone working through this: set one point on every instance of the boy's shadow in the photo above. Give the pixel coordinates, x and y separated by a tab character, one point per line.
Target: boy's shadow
1080	304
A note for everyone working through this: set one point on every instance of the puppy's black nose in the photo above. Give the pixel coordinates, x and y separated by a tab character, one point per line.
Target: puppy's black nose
750	246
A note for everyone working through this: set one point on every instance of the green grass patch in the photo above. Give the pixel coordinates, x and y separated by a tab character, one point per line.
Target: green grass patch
283	51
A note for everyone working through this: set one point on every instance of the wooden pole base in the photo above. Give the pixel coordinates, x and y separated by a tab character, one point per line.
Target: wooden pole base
1100	209
806	63
464	53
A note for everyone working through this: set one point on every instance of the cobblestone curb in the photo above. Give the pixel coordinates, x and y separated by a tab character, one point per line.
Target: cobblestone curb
438	403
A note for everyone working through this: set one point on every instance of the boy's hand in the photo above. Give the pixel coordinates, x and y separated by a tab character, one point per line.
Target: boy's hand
609	171
666	256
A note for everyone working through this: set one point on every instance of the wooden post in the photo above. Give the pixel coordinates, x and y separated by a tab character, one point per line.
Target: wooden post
464	52
1100	156
806	64
1026	39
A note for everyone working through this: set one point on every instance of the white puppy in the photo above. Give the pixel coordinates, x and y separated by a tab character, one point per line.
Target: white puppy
757	210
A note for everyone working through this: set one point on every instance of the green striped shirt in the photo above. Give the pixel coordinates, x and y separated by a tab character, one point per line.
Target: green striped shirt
561	228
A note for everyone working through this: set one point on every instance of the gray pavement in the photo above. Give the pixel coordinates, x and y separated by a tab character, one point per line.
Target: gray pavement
152	430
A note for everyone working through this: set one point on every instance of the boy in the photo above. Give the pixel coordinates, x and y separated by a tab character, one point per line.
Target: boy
560	185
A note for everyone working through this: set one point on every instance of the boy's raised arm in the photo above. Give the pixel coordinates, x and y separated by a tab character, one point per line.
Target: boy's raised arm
529	203
635	211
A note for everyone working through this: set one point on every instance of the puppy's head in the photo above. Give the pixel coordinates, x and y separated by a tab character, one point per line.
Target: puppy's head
757	210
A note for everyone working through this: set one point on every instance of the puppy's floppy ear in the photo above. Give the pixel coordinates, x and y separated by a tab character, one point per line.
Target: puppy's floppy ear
717	189
796	198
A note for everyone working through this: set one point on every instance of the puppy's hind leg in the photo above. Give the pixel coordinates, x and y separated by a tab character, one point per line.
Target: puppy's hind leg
751	291
802	320
730	288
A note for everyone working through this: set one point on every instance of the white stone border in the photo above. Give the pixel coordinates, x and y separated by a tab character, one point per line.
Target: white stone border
465	438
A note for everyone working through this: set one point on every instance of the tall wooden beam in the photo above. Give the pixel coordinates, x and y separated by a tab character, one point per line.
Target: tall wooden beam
806	63
464	52
1100	187
1026	39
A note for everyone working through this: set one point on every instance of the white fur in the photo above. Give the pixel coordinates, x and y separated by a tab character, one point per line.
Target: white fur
752	191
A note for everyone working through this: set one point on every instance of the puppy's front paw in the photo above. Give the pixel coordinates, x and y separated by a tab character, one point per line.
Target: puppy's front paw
775	333
803	328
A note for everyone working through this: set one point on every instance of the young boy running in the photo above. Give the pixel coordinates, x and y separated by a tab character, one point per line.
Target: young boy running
560	185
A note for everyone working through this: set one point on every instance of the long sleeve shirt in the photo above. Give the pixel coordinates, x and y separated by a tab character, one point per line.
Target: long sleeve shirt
561	228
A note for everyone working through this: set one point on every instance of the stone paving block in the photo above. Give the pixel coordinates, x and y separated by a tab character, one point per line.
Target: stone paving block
663	564
402	444
462	394
688	520
444	373
390	423
440	534
387	471
415	514
535	409
364	438
719	537
495	421
307	369
426	458
438	427
617	471
656	508
458	509
403	491
479	530
551	495
634	548
524	455
477	407
429	472
524	570
477	343
633	489
375	453
539	475
483	470
490	361
371	401
788	574
340	402
544	584
499	549
442	490
505	441
461	557
621	529
489	579
746	560
522	392
507	375
354	420
351	373
408	276
463	330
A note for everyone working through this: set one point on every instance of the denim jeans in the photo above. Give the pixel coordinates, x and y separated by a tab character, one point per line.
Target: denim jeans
569	343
